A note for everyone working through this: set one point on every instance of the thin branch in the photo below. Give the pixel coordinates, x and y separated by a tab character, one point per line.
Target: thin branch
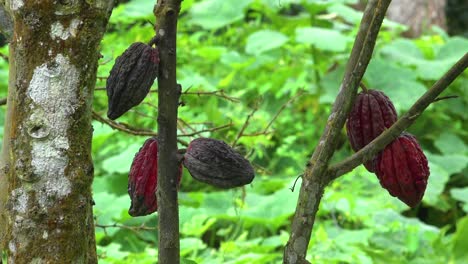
378	144
205	130
219	93
246	124
124	128
300	93
128	129
132	228
445	98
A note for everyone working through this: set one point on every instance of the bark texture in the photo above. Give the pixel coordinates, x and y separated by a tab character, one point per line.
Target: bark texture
46	168
418	15
167	12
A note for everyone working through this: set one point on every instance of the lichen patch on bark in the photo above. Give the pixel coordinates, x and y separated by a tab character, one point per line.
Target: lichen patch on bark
58	31
53	90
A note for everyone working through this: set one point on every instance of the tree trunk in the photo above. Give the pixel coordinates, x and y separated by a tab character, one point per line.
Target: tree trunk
418	15
46	168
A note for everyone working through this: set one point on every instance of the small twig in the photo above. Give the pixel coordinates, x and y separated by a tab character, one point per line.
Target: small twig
206	130
220	94
295	181
300	93
246	124
132	228
445	98
106	61
3	101
128	129
363	87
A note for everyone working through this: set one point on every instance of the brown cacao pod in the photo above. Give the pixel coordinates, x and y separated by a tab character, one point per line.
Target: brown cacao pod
143	178
372	113
131	78
403	170
215	162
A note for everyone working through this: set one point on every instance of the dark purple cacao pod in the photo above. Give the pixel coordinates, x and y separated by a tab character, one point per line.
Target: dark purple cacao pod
403	170
131	78
372	113
143	178
215	162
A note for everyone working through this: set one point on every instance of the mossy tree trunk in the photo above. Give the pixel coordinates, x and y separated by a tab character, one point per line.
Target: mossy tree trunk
46	167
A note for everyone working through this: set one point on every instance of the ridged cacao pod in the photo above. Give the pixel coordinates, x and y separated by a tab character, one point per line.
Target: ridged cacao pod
215	162
403	170
143	178
131	78
372	113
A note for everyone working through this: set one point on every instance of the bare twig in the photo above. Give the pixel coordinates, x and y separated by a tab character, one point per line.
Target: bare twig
292	99
128	129
219	93
132	228
246	124
206	130
378	144
445	98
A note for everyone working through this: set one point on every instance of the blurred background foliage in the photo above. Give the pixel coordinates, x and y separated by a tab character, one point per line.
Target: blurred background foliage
279	64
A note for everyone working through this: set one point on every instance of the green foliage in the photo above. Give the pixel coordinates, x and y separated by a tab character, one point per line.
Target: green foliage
264	53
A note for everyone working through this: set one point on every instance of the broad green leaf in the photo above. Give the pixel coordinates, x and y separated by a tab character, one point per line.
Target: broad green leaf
449	143
460	240
264	40
461	194
323	39
121	162
435	186
213	14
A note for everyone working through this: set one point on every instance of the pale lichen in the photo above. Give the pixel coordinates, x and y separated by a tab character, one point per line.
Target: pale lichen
53	90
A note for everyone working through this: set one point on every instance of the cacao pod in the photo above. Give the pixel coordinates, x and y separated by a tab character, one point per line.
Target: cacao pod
402	169
372	113
143	178
131	78
215	162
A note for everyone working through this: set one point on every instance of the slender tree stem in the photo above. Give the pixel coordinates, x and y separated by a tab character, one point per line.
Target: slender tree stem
166	12
315	178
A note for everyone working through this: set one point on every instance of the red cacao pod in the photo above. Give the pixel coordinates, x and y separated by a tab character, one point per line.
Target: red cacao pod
131	78
372	113
143	178
215	162
403	170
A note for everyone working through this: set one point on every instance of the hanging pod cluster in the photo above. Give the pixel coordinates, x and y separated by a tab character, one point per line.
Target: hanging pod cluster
401	167
208	160
131	78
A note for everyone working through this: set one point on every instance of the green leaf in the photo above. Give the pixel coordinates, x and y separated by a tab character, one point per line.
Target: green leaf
264	40
461	194
449	143
460	240
121	162
450	163
323	39
213	14
437	179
